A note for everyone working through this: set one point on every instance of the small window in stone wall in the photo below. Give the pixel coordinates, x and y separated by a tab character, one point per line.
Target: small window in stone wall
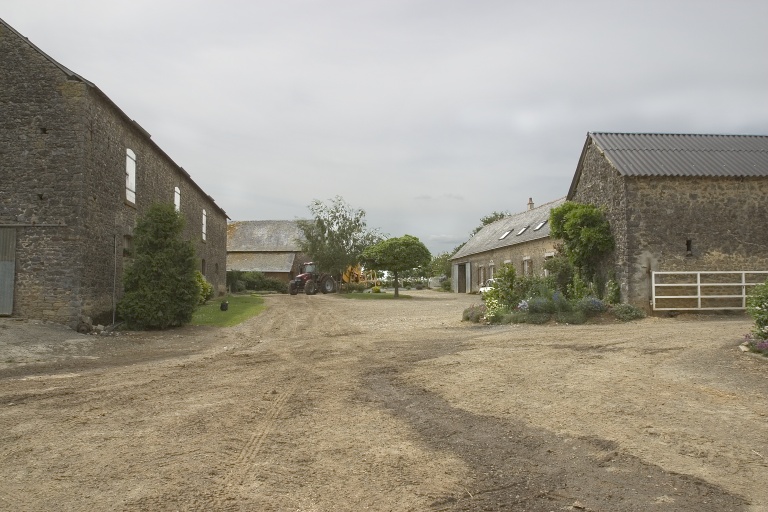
202	267
127	246
177	198
205	223
527	266
130	176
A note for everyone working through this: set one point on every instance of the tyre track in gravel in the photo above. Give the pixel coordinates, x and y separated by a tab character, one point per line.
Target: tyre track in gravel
308	323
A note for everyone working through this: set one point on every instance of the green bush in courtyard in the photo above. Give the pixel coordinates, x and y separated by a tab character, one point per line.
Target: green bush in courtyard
161	288
757	307
627	312
206	288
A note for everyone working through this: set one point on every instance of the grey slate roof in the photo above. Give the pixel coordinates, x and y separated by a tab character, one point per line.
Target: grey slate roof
261	261
660	154
263	236
490	237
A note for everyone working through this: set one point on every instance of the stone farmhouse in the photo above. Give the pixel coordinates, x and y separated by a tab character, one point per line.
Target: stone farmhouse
521	239
75	174
267	246
677	203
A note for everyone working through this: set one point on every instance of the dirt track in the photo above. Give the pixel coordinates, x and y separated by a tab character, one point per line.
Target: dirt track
324	403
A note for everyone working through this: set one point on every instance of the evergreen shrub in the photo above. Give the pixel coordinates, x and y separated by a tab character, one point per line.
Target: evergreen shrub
626	312
757	307
161	287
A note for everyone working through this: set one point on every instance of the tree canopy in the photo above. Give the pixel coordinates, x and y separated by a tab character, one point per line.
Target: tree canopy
585	233
397	255
161	287
336	236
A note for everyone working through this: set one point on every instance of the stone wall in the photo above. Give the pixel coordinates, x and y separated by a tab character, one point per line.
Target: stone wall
656	219
601	185
63	155
484	264
721	220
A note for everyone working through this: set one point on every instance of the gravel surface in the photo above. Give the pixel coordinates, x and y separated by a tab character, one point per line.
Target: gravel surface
326	403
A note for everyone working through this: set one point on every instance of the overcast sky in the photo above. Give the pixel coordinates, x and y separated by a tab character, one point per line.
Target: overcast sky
427	114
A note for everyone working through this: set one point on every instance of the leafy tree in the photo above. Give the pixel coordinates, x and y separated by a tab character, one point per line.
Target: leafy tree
489	219
337	235
562	271
161	287
585	233
440	265
397	255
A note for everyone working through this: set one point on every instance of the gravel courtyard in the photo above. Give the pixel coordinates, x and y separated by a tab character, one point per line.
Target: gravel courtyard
324	403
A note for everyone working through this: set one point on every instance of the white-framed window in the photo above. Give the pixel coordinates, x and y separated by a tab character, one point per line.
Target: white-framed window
502	237
205	223
527	266
540	225
177	198
130	176
548	256
521	231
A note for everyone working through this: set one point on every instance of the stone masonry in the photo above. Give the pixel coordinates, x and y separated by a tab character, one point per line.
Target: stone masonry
676	223
63	146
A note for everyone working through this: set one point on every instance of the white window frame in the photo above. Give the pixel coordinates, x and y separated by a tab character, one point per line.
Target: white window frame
177	198
205	224
130	176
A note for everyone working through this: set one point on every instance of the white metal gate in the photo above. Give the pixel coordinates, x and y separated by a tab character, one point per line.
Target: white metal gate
705	290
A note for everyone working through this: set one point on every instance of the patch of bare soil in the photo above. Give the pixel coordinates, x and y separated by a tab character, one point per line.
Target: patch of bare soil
326	403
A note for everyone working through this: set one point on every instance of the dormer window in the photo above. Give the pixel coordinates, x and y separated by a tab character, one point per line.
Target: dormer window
522	231
502	237
540	225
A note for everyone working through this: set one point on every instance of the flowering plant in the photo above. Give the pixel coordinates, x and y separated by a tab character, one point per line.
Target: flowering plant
757	307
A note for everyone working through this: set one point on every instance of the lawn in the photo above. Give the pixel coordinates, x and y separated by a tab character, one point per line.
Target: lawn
241	308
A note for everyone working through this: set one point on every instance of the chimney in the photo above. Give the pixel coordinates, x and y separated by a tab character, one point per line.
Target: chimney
530	203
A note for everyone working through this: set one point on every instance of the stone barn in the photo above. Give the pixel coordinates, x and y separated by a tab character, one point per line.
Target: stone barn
521	239
267	246
75	174
680	203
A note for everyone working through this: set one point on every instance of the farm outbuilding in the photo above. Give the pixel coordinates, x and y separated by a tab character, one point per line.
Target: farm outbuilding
267	246
521	239
682	203
75	175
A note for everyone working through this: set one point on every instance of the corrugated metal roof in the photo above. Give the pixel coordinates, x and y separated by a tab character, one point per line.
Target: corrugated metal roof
490	237
261	262
661	154
263	236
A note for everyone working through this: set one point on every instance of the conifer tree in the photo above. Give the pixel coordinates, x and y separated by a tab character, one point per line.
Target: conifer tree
161	289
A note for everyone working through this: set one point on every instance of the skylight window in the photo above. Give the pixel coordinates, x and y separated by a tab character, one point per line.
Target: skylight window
541	225
522	231
502	237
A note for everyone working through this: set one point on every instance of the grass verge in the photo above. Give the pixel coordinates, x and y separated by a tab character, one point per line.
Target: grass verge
241	308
